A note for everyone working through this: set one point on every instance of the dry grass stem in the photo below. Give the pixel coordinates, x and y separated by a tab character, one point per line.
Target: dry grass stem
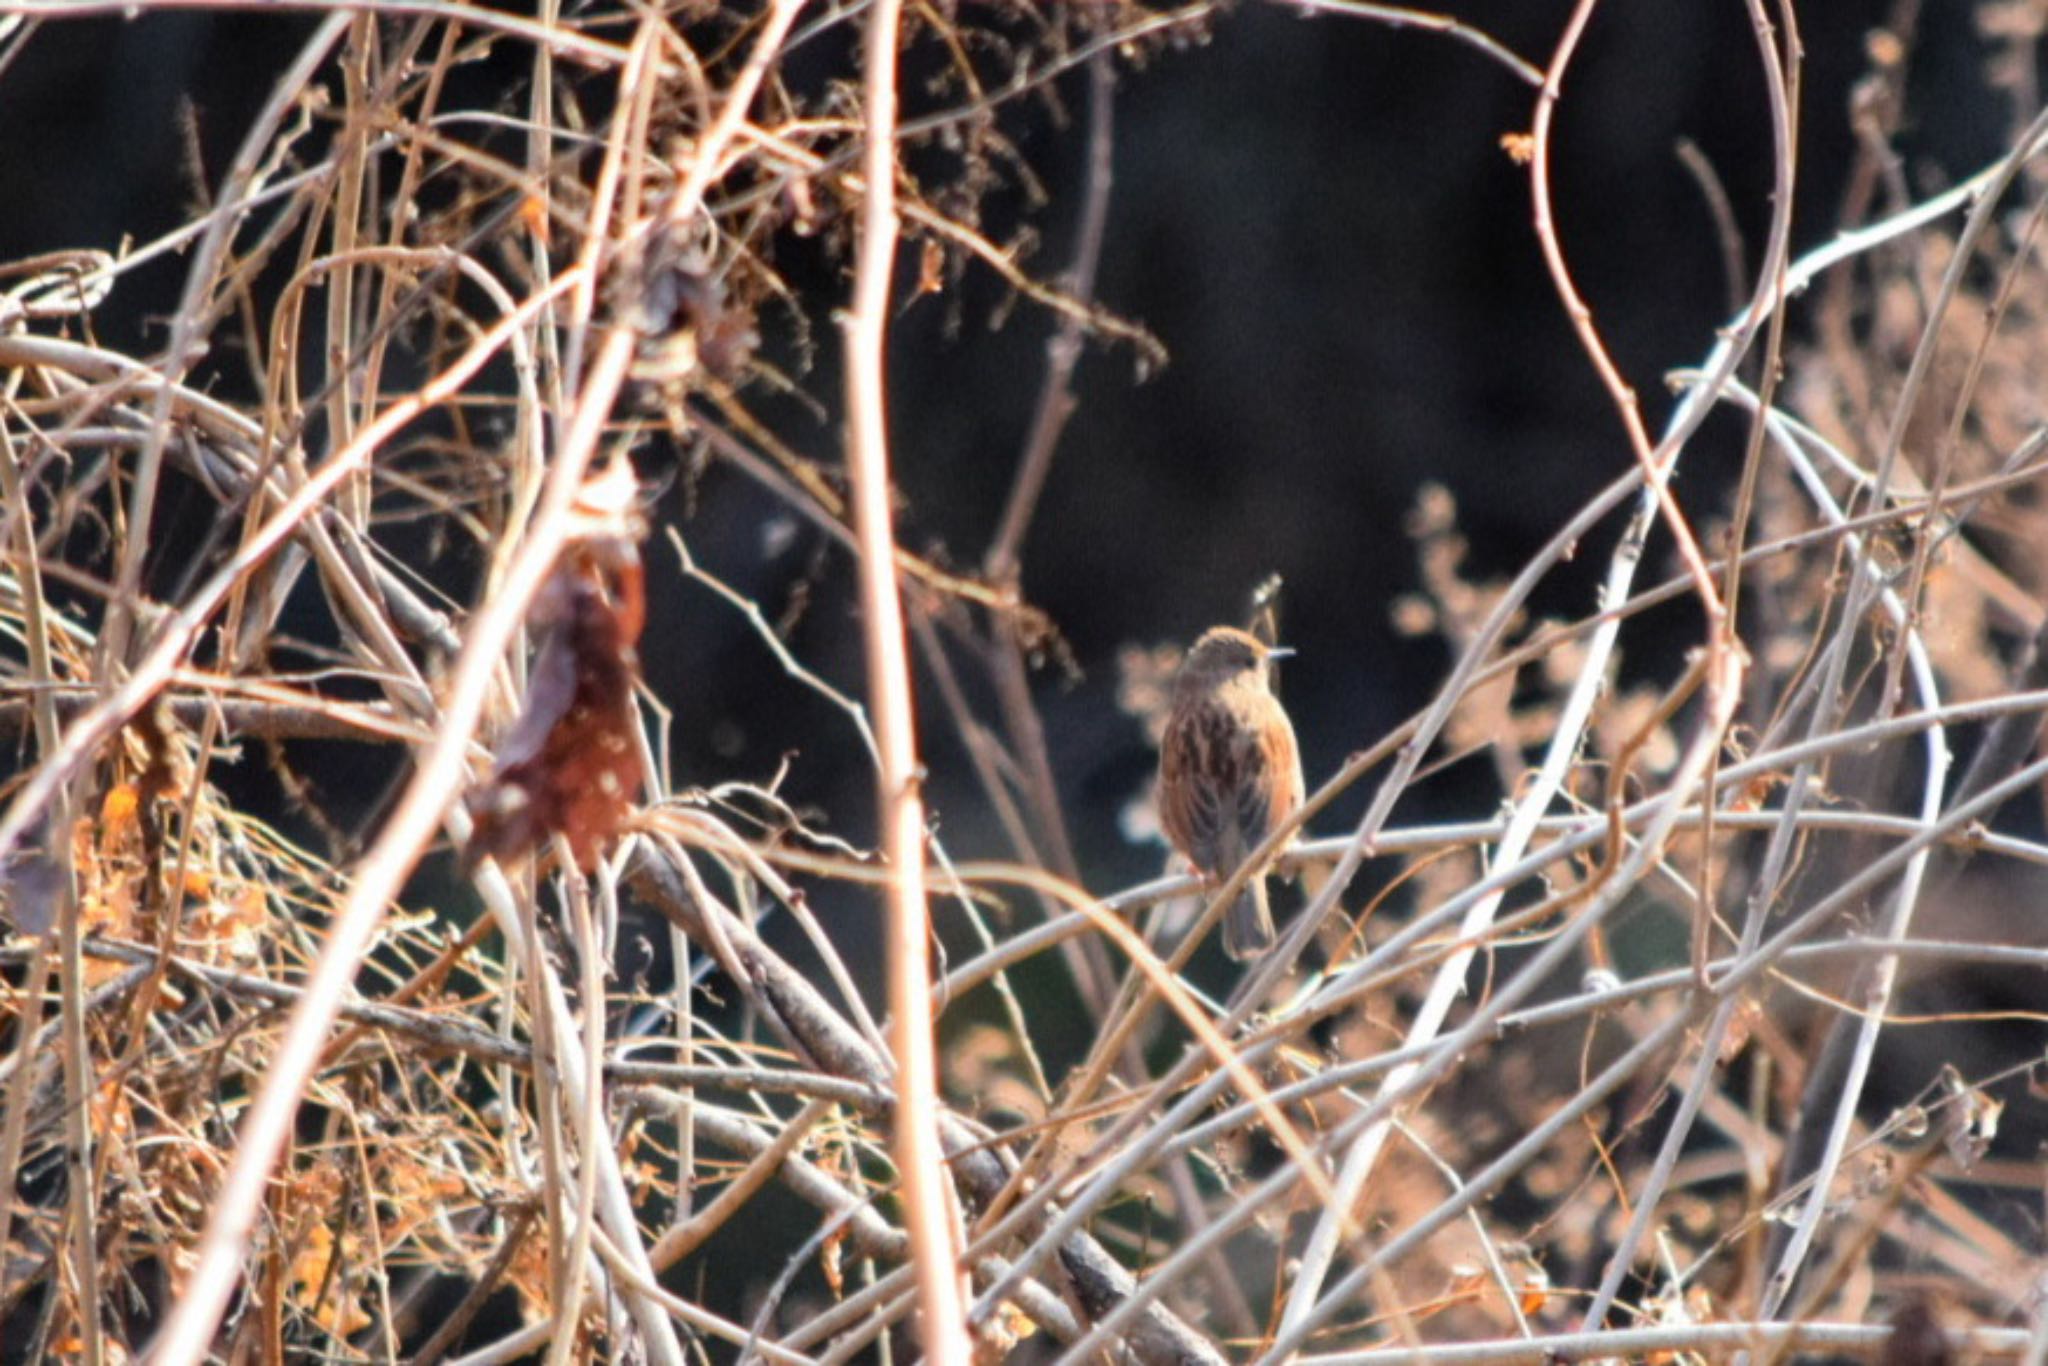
400	966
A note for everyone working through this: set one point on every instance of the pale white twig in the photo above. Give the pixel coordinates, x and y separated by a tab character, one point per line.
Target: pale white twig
1746	970
1636	1344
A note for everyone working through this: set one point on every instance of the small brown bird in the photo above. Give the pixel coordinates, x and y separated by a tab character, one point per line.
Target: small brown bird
1229	772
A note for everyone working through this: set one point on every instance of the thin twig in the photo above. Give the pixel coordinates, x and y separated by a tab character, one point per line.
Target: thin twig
920	1160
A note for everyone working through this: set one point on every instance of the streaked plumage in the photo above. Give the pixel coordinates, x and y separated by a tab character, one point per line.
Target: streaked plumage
1229	772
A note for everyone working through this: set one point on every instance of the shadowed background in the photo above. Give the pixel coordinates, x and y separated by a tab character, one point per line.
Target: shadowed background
1316	217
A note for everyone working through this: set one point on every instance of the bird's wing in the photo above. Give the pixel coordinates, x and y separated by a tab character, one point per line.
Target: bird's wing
1215	779
1265	763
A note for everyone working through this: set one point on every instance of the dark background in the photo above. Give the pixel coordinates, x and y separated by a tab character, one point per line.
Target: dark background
1317	219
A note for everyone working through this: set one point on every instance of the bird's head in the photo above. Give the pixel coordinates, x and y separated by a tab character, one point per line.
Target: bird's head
1227	655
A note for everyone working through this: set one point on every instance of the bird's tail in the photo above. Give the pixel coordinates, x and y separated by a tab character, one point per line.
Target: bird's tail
1248	926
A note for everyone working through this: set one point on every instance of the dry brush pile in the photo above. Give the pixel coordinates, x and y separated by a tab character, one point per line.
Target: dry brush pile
265	1099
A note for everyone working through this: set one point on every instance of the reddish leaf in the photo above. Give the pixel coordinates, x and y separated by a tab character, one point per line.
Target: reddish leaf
570	765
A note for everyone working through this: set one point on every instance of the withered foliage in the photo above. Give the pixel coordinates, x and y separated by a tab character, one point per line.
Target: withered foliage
385	352
570	764
1675	1029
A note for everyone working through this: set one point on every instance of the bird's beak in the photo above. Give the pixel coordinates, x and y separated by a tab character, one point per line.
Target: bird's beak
1280	652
